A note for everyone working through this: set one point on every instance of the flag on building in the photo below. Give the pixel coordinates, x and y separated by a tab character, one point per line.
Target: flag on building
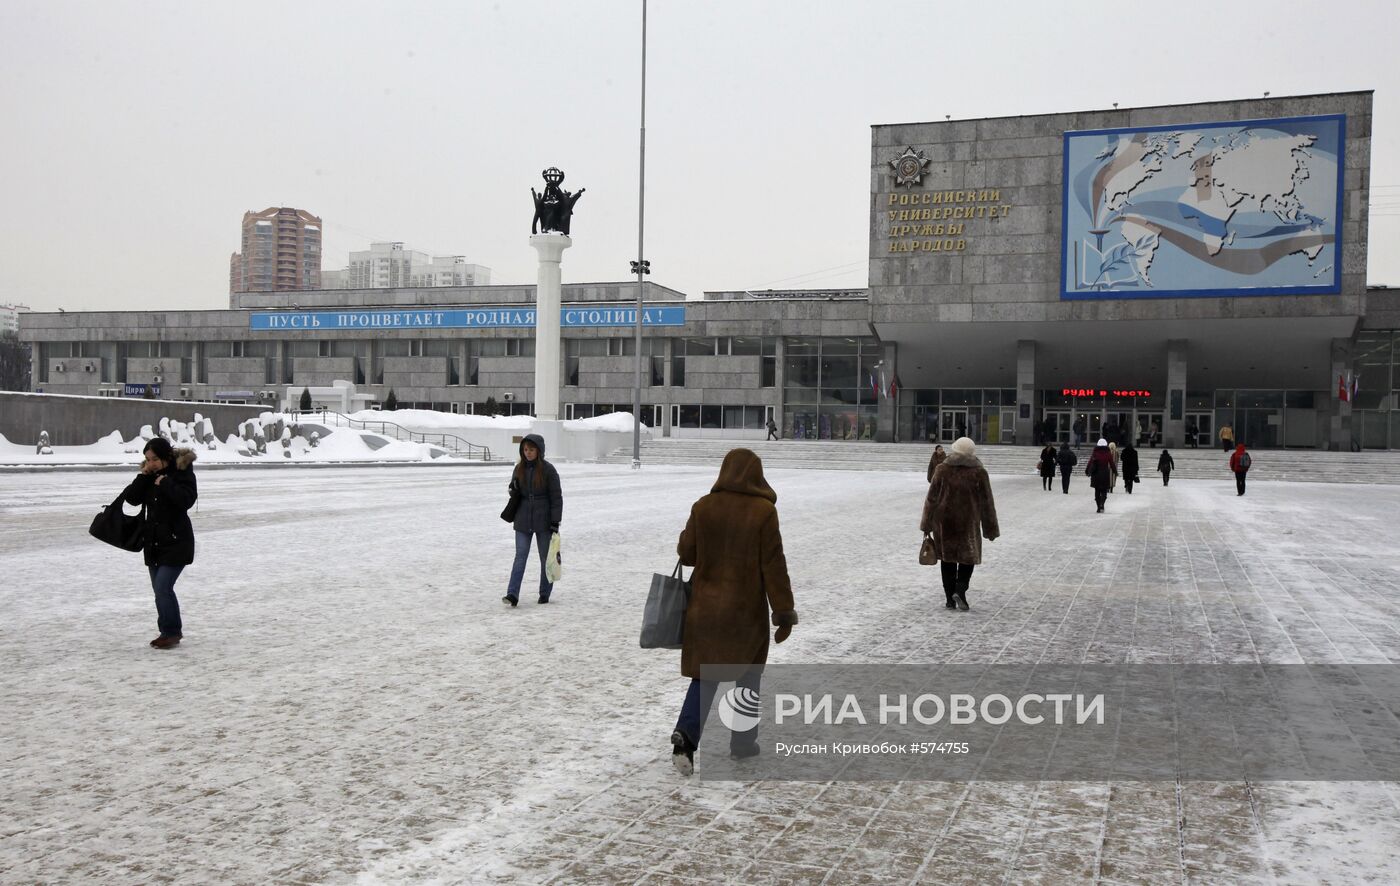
882	387
1355	386
1342	392
874	386
894	384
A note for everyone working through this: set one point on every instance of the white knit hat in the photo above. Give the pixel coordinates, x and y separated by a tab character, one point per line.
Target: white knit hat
1102	442
964	446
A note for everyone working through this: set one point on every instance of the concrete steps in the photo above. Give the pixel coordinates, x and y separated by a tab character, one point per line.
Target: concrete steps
1302	465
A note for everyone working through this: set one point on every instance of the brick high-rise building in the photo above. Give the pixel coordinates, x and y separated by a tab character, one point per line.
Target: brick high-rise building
281	252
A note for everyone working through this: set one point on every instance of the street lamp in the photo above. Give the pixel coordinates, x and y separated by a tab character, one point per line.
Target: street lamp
641	266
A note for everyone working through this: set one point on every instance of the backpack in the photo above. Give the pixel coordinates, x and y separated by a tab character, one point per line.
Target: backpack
1245	461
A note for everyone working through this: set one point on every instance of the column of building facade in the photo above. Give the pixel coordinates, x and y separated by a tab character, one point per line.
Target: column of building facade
779	380
1174	425
885	423
1025	391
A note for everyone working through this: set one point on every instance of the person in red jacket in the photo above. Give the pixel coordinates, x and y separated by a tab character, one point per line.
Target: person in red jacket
1240	463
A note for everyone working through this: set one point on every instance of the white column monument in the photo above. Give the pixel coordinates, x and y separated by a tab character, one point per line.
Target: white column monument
547	358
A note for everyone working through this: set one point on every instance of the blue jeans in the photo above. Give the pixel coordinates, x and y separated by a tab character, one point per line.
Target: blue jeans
522	556
695	710
167	606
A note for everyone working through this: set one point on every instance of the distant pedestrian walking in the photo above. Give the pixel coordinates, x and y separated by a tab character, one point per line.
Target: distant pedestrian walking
732	540
935	460
1101	472
958	513
772	429
1128	459
1155	432
1165	465
1227	438
1191	432
1066	460
535	484
1240	463
1047	468
167	488
1113	451
1079	427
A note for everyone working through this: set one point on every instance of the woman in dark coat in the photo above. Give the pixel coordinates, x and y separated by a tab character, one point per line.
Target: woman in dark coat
958	514
1065	459
1047	468
1165	465
1101	472
536	484
732	540
935	460
166	488
1129	459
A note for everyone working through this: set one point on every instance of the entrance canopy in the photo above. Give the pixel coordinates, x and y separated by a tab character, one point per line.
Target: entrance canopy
1257	352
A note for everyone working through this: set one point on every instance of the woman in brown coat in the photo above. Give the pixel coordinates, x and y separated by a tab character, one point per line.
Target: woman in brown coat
733	542
937	459
958	514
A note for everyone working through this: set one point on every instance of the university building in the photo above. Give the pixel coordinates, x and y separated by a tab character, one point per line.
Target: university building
1173	268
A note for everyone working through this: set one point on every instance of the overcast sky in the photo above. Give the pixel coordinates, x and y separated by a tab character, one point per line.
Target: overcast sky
137	133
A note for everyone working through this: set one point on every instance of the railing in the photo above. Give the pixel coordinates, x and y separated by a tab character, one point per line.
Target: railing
451	442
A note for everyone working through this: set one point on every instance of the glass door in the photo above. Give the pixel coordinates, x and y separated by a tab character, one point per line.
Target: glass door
1057	425
1203	424
952	424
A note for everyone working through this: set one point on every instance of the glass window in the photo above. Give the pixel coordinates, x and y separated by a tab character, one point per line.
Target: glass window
796	346
396	347
438	347
1298	399
840	345
710	417
841	372
492	347
769	372
746	346
734	416
689	416
700	347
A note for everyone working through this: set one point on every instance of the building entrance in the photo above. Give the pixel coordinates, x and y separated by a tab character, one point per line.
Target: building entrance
952	424
1204	425
1056	427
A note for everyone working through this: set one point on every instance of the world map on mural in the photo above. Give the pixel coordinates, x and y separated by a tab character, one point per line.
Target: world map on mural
1207	209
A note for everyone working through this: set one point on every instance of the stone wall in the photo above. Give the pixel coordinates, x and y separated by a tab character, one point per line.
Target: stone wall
78	421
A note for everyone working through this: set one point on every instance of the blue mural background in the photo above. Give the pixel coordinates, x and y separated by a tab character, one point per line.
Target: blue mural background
1210	209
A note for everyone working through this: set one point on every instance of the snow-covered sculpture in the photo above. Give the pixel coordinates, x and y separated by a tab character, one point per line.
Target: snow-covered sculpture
43	447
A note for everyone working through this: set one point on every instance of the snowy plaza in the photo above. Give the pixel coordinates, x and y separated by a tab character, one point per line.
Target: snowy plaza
352	703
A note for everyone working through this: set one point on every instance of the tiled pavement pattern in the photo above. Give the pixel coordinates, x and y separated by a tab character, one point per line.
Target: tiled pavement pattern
352	702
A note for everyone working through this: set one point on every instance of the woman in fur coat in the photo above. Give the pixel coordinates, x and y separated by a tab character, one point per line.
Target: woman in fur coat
1101	472
958	513
732	540
167	489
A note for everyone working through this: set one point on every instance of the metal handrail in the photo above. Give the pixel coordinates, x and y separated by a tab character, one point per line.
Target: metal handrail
451	442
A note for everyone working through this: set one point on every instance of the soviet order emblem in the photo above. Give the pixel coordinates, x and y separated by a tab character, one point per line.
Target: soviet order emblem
909	168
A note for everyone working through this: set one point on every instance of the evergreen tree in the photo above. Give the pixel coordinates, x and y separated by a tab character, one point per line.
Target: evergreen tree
490	407
391	402
305	403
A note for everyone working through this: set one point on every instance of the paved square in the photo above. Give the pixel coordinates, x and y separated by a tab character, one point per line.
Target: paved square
353	703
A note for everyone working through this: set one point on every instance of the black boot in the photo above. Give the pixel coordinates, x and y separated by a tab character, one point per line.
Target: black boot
682	753
960	597
509	600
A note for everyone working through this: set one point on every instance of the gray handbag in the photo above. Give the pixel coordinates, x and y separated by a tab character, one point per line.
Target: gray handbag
663	619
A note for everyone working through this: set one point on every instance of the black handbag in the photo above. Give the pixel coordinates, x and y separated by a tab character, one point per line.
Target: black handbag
117	529
513	505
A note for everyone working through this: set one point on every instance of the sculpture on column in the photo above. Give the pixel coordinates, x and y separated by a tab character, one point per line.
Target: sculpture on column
555	207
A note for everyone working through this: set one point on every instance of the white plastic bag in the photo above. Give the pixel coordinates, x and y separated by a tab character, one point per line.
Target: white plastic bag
553	563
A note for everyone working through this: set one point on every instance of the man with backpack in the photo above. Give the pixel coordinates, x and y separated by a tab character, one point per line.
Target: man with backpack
1240	463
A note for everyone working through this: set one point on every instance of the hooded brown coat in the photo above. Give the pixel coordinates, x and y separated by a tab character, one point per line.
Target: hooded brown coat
959	511
732	540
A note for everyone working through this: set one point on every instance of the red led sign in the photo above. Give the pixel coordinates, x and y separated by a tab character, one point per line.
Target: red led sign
1095	392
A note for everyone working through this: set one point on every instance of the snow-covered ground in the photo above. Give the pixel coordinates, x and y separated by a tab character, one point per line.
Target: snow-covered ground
352	702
